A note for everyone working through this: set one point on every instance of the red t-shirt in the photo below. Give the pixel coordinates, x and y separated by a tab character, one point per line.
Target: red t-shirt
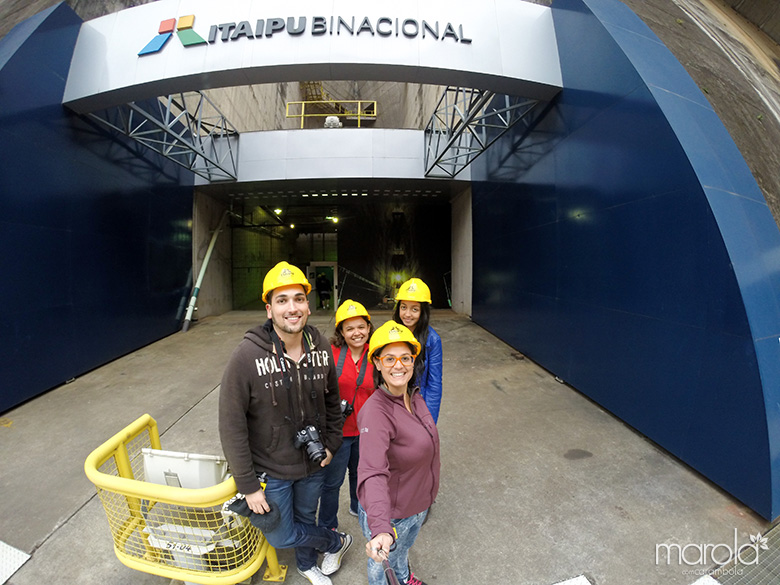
348	381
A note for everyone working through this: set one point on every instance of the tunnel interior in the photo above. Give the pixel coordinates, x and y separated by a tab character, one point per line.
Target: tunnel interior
378	233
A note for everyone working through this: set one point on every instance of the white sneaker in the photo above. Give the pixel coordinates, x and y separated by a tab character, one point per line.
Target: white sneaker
315	576
332	561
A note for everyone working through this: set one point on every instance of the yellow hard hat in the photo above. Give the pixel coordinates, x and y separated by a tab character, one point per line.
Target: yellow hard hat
349	309
414	289
391	332
284	274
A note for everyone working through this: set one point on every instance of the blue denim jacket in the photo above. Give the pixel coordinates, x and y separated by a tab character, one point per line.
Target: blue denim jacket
430	382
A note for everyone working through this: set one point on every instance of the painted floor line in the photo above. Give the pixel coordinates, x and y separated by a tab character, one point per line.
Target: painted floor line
10	561
581	580
706	580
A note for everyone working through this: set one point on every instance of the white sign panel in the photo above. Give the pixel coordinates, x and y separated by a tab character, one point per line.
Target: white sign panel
168	46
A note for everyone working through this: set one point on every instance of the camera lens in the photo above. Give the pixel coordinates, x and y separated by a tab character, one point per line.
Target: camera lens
346	409
310	438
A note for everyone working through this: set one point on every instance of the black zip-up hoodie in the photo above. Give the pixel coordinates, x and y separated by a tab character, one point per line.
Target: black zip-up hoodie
259	417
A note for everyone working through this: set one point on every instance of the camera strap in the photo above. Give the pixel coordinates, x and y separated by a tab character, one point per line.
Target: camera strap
287	374
361	374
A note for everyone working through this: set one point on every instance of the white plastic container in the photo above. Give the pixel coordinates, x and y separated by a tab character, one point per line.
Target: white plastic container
187	470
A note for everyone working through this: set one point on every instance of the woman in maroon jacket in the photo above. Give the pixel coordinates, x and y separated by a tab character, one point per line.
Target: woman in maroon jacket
398	473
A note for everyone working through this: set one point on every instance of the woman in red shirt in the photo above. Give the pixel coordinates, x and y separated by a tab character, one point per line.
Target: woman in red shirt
356	384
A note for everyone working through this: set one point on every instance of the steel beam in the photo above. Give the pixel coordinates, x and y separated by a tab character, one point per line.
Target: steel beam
187	129
466	122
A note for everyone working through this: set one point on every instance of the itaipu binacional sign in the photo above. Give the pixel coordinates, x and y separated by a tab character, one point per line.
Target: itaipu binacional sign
180	45
316	26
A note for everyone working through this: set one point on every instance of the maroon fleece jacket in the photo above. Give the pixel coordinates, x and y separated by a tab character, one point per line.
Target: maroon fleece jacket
398	472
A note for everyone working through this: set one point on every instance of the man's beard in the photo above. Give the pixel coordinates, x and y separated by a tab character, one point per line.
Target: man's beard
282	325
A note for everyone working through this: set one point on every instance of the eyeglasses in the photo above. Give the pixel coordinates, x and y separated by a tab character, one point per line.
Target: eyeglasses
389	361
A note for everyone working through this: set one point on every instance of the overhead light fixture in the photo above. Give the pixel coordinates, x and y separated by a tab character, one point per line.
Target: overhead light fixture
277	211
292	226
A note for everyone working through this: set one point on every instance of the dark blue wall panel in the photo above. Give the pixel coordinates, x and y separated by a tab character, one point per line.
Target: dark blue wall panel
96	241
631	253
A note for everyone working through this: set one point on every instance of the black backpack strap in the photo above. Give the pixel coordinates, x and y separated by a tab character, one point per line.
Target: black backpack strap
361	374
342	356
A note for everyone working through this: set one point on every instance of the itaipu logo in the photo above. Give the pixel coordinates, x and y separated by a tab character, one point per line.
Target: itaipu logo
409	28
187	36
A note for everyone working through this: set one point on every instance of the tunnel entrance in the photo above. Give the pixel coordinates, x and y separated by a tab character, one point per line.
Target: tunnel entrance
366	237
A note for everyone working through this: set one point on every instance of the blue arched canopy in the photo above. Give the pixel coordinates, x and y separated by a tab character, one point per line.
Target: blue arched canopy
636	257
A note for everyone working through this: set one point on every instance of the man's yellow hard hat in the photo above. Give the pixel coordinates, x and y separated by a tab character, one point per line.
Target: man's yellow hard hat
414	289
349	309
391	332
284	274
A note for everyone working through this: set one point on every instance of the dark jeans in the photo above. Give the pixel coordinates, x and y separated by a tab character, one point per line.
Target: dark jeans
346	458
297	501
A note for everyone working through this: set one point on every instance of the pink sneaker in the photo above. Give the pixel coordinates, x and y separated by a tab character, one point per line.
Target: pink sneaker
412	580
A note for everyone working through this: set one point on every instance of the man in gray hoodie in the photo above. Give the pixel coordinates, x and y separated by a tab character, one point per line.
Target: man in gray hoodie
280	422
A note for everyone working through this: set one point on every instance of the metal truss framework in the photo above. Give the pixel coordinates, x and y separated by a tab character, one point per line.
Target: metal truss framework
466	122
187	129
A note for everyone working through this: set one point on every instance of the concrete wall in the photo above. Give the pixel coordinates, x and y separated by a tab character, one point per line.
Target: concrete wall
256	248
462	252
765	14
742	99
399	105
216	294
257	107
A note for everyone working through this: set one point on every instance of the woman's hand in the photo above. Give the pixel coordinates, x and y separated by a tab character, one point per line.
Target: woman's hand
378	548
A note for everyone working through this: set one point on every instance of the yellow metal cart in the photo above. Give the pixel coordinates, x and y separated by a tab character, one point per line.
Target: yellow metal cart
175	532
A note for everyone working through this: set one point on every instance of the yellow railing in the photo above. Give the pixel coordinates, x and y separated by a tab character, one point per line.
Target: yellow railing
174	532
359	110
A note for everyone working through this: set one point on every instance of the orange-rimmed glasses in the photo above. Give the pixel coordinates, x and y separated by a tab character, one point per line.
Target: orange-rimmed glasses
389	361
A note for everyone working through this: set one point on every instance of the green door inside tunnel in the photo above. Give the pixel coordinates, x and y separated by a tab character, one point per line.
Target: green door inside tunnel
323	279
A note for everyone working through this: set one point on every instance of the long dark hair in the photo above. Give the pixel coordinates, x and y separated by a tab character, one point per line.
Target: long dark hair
420	333
337	339
378	379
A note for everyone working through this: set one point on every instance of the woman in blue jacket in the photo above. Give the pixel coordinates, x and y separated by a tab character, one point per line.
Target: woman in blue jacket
413	309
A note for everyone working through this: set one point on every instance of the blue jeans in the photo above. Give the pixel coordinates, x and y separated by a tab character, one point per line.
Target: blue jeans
407	530
345	458
297	501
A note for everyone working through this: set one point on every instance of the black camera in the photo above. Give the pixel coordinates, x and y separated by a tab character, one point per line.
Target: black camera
346	409
310	438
